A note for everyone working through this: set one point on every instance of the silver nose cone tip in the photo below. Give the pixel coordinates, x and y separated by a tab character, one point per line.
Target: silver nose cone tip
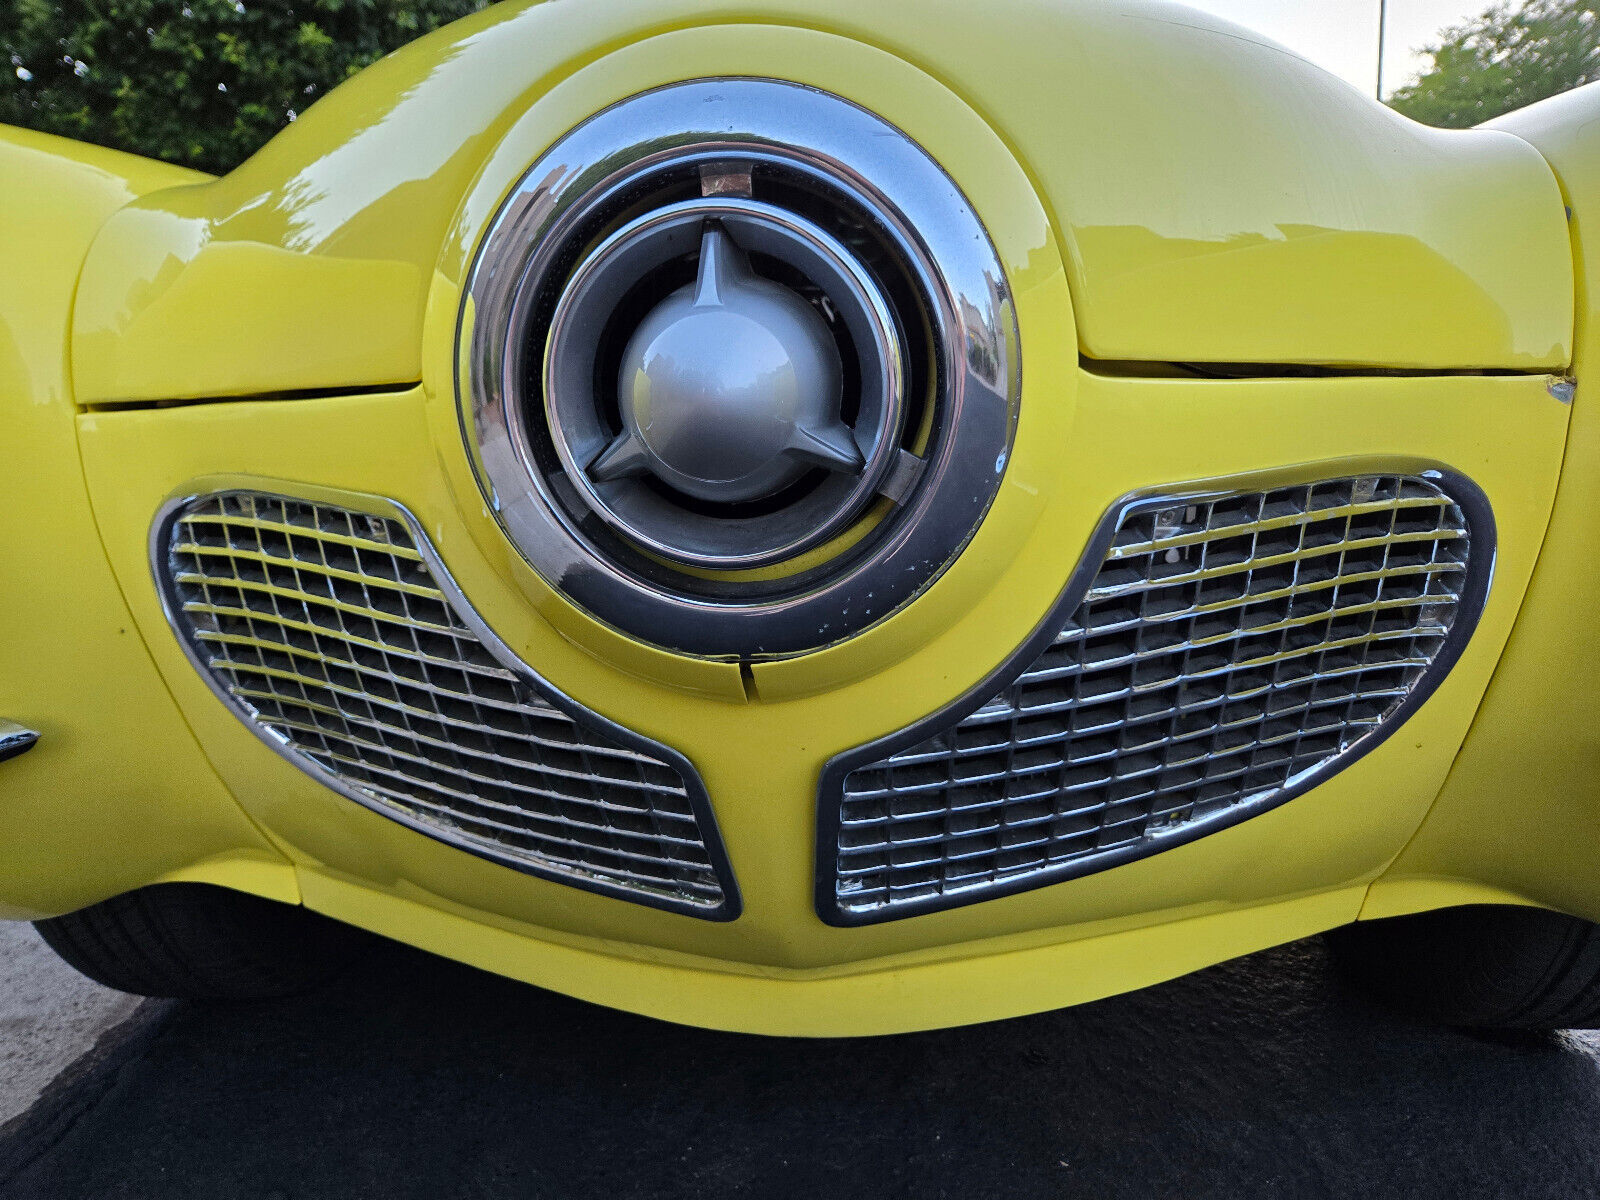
730	388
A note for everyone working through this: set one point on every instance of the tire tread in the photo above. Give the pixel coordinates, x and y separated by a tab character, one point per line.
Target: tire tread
1479	966
194	941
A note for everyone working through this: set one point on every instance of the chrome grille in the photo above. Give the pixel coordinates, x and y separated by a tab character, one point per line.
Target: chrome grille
1223	653
331	631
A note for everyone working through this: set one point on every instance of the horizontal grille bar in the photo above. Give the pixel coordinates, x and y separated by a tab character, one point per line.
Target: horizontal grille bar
1215	655
332	633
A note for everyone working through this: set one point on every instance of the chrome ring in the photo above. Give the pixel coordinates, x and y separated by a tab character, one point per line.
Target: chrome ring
869	314
966	317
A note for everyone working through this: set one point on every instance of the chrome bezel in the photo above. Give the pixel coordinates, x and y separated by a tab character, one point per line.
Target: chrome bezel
381	506
1466	494
944	246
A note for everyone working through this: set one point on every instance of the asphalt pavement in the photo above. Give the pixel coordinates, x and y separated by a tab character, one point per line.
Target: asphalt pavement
419	1077
51	1018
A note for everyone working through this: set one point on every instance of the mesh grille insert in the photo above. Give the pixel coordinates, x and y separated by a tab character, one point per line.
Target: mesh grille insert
328	630
1231	650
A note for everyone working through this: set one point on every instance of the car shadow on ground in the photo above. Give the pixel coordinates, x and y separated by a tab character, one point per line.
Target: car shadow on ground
420	1077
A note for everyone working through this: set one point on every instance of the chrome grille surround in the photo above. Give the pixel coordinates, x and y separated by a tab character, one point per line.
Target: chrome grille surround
332	628
1218	651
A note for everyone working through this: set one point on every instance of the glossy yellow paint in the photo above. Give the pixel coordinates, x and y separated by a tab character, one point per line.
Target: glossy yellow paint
1218	199
1521	811
760	759
1310	227
899	995
988	175
116	793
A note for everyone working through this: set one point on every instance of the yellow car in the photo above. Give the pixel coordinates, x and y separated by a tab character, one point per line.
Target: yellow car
812	518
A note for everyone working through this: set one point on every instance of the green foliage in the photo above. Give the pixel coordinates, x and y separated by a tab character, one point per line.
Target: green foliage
202	83
1505	58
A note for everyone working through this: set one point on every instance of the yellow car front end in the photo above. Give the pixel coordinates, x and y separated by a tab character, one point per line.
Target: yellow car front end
1221	279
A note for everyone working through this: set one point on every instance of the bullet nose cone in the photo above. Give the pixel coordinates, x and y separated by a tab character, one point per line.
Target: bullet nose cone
730	388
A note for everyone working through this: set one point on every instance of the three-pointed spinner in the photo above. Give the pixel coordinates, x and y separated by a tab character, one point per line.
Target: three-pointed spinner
730	388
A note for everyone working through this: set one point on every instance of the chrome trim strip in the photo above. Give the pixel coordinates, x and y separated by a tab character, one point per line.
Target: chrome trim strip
379	506
1471	601
16	739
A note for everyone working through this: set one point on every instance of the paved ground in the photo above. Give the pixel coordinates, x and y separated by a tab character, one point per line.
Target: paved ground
50	1017
423	1078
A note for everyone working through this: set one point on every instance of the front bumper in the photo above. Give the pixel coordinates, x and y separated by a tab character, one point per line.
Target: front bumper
779	967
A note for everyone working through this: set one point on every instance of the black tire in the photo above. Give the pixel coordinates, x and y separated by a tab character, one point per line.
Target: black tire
1479	967
196	942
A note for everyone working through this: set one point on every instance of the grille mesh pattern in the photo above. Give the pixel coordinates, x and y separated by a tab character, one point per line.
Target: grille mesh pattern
327	628
1228	647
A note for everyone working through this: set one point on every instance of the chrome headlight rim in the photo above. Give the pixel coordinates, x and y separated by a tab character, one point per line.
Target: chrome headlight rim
938	500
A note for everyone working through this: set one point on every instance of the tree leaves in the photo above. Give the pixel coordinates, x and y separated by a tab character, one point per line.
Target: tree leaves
1506	58
202	83
205	82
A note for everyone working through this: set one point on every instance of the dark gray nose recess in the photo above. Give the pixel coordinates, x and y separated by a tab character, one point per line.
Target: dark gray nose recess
730	387
739	368
704	421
